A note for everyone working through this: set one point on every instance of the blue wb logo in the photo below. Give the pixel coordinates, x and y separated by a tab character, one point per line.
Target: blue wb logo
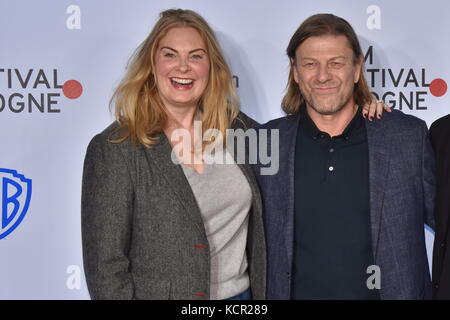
15	196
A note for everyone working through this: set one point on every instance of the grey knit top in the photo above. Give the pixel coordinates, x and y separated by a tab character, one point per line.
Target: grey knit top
224	198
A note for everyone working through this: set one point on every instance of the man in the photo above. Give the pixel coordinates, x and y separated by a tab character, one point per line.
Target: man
345	213
440	138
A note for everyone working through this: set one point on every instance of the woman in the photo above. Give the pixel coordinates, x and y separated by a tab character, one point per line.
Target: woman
153	229
156	229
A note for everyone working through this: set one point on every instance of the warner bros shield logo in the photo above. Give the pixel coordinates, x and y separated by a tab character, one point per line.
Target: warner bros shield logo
15	197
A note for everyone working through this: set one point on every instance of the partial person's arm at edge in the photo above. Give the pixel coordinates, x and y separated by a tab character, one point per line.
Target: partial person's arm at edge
428	178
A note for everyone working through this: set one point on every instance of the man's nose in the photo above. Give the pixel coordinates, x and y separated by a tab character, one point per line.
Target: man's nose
323	73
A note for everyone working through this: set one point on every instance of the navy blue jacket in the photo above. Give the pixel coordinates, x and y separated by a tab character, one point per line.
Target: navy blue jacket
402	192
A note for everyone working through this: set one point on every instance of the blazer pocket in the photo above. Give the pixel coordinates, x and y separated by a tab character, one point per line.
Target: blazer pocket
151	289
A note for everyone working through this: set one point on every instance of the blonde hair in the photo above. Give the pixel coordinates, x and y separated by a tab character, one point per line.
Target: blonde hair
139	109
316	26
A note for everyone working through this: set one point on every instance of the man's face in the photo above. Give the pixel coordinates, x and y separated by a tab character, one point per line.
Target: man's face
326	72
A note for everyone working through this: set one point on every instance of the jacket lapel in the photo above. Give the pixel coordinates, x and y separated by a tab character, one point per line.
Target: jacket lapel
379	150
288	140
244	164
159	155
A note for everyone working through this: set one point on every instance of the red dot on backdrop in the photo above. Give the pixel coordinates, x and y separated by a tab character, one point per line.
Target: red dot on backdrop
72	89
438	87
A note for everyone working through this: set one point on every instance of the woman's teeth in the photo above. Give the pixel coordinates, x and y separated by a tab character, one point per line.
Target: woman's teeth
182	81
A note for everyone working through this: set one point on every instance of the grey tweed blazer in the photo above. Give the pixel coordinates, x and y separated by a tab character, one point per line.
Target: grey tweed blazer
142	230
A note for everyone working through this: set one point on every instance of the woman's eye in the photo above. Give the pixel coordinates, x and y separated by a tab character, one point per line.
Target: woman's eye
169	55
197	57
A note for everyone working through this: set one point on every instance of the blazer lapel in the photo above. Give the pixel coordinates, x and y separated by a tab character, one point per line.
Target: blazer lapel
159	155
288	140
379	150
244	163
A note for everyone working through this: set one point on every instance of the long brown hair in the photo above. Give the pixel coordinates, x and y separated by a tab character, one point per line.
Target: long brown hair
138	107
316	26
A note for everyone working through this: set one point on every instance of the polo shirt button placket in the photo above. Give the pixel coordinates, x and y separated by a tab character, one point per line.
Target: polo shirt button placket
331	151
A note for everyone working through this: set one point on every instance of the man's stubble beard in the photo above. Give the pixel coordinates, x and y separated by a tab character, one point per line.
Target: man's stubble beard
338	106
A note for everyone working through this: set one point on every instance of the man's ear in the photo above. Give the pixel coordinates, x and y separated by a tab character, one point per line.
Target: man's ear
294	69
358	64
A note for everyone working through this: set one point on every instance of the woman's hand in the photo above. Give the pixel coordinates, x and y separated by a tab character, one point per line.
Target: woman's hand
375	107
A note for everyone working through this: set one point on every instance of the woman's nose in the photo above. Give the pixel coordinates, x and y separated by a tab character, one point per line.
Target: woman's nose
183	65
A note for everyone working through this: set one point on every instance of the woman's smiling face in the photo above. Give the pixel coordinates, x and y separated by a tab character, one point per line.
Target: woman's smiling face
181	67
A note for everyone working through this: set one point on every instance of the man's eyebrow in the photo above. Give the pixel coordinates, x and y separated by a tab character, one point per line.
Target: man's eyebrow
332	58
192	51
338	57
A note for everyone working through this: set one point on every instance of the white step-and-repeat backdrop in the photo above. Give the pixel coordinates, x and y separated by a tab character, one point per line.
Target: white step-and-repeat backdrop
61	60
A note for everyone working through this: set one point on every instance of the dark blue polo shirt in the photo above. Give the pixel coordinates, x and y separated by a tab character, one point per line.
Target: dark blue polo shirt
332	237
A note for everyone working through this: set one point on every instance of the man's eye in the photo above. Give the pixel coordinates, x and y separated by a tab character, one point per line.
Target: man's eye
336	64
310	65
